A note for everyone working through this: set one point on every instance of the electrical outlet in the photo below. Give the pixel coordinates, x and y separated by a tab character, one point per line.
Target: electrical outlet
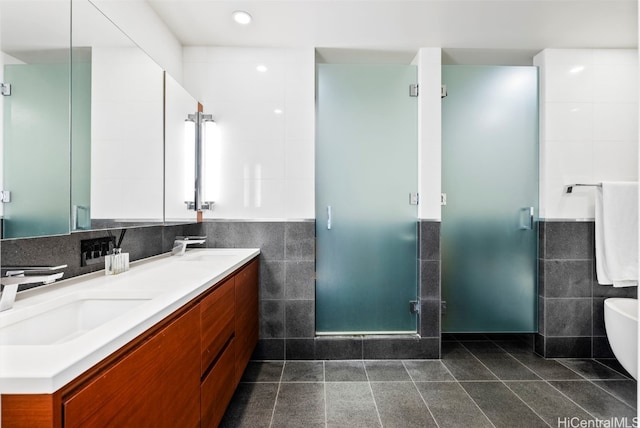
93	251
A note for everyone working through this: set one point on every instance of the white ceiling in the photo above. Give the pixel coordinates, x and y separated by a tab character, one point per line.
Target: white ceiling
469	31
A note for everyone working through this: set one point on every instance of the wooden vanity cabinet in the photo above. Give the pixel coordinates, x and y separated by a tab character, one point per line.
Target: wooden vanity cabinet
180	373
247	319
156	385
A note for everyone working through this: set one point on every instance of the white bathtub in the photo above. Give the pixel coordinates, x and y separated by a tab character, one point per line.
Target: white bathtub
621	323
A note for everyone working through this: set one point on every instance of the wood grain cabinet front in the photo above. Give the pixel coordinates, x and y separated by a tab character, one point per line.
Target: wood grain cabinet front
156	385
217	321
247	318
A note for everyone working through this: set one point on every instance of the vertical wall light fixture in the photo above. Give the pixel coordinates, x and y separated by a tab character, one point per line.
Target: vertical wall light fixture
201	130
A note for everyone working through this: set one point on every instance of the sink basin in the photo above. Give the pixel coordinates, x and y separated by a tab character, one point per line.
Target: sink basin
70	317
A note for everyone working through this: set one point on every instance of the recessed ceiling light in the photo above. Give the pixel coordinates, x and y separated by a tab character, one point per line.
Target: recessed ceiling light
241	17
576	69
277	111
262	68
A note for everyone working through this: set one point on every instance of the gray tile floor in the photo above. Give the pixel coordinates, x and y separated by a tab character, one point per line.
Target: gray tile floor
475	384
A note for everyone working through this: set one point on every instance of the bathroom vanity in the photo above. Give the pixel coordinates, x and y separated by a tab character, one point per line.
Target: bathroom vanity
172	357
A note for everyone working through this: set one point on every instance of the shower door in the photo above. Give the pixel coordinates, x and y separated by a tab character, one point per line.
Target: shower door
366	168
490	178
36	150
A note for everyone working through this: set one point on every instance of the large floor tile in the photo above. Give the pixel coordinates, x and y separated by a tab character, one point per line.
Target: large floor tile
625	390
344	371
547	401
546	369
400	405
350	404
427	370
451	406
594	400
251	406
462	364
502	364
303	371
263	371
590	369
386	370
299	405
502	406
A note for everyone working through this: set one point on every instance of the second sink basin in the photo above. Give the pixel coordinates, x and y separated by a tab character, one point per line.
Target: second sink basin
69	318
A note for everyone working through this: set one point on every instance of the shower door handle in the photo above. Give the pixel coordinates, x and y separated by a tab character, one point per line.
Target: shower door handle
526	218
328	217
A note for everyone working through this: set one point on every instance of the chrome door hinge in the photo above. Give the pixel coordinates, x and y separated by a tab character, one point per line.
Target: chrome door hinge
413	90
443	199
414	198
5	89
5	196
414	306
443	91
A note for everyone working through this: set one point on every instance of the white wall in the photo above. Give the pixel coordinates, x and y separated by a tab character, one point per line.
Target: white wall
126	135
588	125
429	65
268	157
143	26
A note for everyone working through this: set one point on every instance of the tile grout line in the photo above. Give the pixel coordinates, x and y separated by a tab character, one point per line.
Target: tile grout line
373	397
517	361
563	394
569	398
468	395
420	394
275	402
506	386
610	368
324	387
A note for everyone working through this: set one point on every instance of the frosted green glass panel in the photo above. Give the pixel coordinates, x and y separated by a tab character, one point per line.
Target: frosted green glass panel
36	150
366	151
490	177
81	139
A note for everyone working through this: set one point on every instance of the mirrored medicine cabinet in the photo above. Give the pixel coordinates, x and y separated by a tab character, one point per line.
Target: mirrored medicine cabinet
88	119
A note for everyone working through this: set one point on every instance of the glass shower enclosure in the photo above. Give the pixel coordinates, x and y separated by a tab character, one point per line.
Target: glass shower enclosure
490	177
366	169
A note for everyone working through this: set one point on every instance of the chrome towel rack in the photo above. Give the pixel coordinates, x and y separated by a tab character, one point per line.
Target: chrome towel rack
569	188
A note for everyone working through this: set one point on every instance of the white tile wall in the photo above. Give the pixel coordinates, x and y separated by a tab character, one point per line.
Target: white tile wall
588	125
126	141
268	158
268	170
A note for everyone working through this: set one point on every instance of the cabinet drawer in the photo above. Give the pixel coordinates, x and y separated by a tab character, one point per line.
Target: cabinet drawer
217	321
217	388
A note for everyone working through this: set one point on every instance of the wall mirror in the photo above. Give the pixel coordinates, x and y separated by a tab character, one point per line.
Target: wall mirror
179	152
35	126
117	133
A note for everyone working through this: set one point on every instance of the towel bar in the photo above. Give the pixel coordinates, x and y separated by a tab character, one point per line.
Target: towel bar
569	188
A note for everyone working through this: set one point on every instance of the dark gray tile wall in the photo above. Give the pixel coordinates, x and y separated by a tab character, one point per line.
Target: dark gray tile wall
429	280
570	301
287	294
287	281
139	242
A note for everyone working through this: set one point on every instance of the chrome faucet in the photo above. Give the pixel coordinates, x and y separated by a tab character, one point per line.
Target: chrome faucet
181	242
15	276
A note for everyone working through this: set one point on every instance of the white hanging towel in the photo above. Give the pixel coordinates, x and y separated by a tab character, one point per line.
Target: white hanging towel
617	234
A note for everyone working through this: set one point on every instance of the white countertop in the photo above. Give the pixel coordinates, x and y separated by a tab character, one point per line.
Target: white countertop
172	281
